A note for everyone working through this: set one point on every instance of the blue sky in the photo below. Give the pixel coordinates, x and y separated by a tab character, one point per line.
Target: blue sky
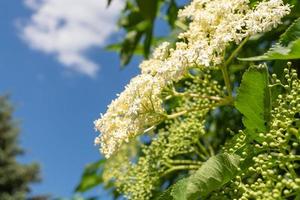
56	106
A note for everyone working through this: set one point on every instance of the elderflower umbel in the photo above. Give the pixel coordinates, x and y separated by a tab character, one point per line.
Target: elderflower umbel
214	25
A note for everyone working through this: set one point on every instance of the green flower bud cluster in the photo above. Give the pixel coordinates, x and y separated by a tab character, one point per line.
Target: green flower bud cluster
274	172
202	92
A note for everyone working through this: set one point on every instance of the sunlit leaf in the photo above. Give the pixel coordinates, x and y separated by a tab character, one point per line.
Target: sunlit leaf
279	52
253	100
212	175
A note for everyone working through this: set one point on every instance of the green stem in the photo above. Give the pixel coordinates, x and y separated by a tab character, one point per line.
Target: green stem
227	80
235	52
211	150
175	115
181	167
224	68
201	156
276	84
187	94
185	162
203	149
292	172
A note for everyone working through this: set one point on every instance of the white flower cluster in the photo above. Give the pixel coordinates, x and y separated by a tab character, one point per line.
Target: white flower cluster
214	25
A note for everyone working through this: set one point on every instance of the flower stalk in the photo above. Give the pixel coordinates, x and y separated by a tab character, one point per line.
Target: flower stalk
180	168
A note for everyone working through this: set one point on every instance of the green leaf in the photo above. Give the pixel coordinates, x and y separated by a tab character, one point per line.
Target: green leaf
114	47
118	46
91	177
287	48
253	100
279	52
212	175
131	20
129	45
172	13
148	41
291	34
297	197
148	8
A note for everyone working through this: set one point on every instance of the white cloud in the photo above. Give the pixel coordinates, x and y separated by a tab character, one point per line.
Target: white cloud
68	28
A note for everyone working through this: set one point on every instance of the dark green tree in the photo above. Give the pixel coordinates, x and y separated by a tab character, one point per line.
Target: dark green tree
14	176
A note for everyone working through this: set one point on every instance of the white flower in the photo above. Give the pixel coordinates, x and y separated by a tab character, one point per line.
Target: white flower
162	51
129	115
265	16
